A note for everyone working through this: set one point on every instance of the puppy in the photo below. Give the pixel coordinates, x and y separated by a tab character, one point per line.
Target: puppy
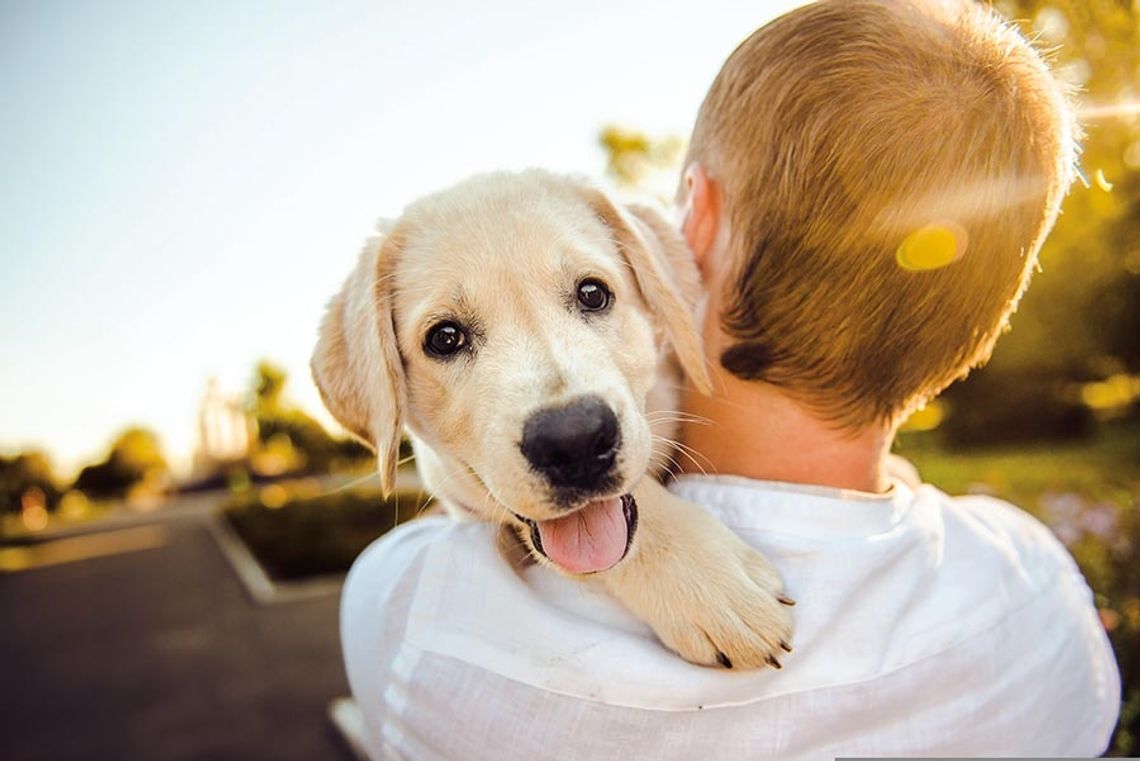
530	333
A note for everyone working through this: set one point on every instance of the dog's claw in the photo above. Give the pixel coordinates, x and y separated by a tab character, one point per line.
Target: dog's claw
774	663
787	648
785	600
729	614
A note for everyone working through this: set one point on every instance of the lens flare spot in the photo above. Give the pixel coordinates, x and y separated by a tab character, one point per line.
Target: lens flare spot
1102	181
274	496
932	247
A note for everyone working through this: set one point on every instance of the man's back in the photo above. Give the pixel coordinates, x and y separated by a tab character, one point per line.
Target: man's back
926	626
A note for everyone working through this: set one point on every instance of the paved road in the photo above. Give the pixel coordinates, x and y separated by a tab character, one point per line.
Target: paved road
158	653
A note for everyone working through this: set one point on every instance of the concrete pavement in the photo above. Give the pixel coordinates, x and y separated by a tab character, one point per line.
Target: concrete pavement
157	652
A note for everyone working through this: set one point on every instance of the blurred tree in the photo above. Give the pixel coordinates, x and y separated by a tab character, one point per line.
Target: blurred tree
289	440
135	459
268	384
22	472
1095	246
1080	319
1118	298
635	160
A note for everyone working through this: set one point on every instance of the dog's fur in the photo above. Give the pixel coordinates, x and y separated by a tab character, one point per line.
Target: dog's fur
502	256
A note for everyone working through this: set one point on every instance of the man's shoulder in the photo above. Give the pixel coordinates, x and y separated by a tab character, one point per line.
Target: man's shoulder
397	559
995	525
388	580
970	525
415	537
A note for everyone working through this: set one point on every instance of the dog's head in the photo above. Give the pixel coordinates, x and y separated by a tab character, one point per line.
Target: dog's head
515	324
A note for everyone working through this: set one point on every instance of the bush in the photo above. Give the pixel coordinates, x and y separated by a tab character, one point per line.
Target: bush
135	458
323	534
1013	407
24	472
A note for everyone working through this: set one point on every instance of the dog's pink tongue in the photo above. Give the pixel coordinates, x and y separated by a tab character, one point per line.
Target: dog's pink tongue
591	539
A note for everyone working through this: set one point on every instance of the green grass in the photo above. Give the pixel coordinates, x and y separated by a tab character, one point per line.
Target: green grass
1103	469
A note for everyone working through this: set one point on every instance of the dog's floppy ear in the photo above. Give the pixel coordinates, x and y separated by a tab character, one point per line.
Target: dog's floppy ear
356	364
666	275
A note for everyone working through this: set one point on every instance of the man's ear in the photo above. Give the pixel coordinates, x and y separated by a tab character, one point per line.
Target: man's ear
356	363
666	276
700	215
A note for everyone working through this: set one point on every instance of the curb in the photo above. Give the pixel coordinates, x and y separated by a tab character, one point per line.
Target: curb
258	585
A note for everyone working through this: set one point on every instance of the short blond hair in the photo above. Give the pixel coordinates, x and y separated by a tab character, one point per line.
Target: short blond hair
834	133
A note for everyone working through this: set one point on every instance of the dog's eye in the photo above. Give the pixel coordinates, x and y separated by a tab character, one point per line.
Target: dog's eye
445	339
593	295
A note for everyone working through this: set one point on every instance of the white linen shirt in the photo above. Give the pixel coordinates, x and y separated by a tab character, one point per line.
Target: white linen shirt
925	625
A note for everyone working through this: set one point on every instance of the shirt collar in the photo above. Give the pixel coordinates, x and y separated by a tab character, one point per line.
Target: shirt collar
803	509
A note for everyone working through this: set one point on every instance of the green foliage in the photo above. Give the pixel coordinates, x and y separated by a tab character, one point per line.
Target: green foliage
135	457
632	157
288	438
1080	319
268	384
24	471
999	407
1081	309
1118	298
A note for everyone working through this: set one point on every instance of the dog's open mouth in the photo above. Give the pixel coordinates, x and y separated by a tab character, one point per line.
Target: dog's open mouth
590	539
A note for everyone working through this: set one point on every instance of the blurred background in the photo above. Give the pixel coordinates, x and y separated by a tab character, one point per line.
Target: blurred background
185	185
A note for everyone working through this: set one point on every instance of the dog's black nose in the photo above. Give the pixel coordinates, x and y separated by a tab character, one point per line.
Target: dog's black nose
572	446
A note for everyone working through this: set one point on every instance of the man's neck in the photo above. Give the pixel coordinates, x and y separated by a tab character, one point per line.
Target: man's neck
752	429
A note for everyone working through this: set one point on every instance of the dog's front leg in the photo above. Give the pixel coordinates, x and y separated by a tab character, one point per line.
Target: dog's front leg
706	594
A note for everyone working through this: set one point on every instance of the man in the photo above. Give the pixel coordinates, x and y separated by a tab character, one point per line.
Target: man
867	188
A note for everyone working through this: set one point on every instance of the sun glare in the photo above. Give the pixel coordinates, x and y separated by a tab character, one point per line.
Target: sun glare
1109	111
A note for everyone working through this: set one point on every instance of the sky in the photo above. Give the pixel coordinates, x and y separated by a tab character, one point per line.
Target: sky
183	185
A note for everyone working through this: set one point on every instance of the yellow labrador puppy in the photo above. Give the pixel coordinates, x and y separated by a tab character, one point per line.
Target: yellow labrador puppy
524	328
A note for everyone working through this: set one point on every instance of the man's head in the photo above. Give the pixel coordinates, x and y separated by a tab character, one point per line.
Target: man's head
868	186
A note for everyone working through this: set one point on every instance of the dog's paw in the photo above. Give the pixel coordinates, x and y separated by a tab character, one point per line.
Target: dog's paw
736	615
706	594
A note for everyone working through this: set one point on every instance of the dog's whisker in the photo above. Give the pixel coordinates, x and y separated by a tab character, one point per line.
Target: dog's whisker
429	497
663	449
681	386
690	453
662	461
674	413
668	418
690	450
677	413
673	467
371	476
395	509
